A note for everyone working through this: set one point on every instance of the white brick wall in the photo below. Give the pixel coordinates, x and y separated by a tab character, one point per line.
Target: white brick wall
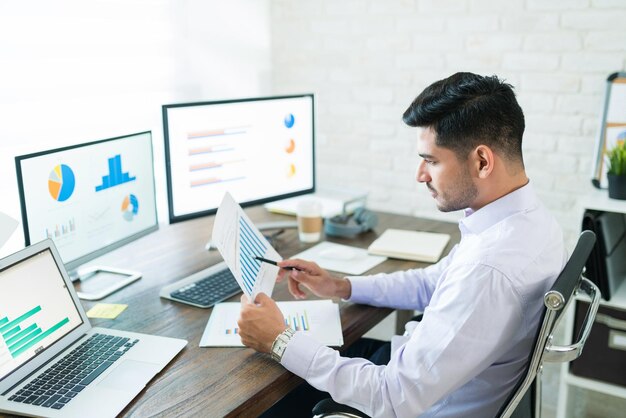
367	60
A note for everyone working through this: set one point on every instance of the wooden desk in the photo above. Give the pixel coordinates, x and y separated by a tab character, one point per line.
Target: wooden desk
220	382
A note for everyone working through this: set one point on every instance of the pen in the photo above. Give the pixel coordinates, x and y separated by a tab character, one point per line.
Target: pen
265	260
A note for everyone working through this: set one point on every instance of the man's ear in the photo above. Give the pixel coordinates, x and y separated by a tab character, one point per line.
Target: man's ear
483	161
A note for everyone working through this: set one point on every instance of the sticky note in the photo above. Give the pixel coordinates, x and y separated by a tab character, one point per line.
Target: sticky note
106	310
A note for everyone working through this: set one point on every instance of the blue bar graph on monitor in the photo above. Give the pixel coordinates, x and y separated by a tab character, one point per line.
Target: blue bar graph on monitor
250	246
116	176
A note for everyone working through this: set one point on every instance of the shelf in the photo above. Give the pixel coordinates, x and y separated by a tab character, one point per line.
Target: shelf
618	300
595	385
598	199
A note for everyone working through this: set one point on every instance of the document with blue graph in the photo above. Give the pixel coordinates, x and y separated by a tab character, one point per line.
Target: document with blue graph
239	242
318	318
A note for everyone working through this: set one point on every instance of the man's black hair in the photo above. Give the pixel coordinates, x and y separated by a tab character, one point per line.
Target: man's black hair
466	110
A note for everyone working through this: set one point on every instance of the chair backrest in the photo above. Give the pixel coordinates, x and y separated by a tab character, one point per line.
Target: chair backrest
567	284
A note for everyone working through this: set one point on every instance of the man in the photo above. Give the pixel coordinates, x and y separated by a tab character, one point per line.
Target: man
481	303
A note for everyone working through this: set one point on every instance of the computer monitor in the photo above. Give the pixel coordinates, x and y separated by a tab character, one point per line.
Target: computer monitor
89	198
258	149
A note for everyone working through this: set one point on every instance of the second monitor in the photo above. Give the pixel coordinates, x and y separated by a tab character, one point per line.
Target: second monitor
258	149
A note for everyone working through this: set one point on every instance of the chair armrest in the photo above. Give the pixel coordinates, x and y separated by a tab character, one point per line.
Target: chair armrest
565	353
329	408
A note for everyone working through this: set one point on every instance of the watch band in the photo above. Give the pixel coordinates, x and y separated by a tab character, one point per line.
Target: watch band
280	344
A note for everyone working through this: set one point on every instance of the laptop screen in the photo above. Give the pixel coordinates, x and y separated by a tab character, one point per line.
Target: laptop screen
36	310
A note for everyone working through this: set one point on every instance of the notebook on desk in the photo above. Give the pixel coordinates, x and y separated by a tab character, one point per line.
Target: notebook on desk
53	363
410	245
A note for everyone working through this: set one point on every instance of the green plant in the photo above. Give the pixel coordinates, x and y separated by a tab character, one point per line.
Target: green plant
617	159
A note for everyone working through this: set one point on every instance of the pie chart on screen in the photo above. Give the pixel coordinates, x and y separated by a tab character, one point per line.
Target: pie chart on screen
130	207
289	120
61	183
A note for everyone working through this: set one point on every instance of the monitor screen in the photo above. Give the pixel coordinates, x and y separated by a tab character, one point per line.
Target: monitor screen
257	149
89	198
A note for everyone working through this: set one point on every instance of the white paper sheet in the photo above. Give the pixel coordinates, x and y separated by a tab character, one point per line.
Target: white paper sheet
341	258
318	318
239	241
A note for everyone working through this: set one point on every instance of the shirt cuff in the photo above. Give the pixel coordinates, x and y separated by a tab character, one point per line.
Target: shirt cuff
360	289
299	354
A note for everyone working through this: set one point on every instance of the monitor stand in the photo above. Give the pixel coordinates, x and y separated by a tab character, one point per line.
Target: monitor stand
94	283
263	226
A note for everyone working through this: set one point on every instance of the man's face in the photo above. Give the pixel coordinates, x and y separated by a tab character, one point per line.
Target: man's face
448	179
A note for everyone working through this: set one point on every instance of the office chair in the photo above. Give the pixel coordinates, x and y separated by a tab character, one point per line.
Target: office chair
525	400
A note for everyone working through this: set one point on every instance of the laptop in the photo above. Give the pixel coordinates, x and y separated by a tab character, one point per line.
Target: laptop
53	363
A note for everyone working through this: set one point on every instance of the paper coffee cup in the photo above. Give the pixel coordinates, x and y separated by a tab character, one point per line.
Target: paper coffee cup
309	213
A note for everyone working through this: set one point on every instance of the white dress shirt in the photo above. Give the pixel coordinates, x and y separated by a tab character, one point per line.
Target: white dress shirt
482	305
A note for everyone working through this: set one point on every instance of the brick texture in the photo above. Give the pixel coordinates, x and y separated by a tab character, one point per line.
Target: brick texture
367	60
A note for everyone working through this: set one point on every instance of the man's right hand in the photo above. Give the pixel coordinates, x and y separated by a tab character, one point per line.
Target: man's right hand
314	278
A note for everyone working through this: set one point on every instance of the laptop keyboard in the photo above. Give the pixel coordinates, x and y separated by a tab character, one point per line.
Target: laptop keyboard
58	385
208	291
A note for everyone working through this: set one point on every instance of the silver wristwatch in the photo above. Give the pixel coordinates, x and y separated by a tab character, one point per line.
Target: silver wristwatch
280	344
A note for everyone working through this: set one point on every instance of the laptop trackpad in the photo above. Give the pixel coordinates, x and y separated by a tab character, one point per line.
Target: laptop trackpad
130	373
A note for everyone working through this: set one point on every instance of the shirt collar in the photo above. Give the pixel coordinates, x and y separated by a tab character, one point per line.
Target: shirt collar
520	200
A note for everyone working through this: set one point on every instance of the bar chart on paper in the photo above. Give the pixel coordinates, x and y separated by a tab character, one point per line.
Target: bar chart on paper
318	318
239	242
250	246
22	333
298	321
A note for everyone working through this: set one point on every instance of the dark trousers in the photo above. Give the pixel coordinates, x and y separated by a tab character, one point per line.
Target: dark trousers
300	401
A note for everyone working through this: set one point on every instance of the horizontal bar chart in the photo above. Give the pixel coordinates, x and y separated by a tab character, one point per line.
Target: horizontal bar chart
16	351
212	165
213	180
8	326
210	150
19	337
237	130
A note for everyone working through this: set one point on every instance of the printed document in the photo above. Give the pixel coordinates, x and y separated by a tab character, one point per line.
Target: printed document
318	318
239	242
341	258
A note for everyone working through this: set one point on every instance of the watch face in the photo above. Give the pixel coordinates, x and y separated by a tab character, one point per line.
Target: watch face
280	344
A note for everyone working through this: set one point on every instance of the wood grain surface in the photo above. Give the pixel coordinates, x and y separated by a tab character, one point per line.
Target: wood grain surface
219	382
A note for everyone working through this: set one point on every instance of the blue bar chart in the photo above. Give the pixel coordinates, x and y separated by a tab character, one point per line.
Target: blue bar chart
250	246
116	176
19	334
298	321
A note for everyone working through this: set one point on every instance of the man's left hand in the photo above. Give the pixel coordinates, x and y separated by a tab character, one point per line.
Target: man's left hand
260	322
